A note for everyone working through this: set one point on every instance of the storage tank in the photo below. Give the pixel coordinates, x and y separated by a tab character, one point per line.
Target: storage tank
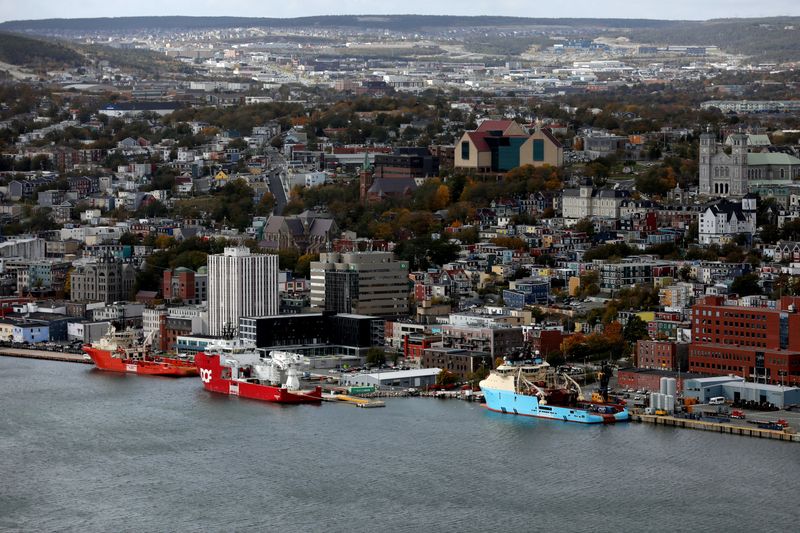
672	386
655	400
663	385
669	403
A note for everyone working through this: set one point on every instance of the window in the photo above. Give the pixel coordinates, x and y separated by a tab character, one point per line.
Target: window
538	150
465	150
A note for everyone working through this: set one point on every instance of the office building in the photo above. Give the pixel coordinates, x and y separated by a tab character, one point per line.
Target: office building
240	284
364	283
756	339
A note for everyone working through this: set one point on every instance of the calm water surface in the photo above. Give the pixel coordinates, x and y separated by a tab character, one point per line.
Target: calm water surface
83	450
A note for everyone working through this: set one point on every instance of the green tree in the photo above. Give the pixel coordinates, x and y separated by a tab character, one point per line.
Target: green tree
635	329
376	357
586	226
746	285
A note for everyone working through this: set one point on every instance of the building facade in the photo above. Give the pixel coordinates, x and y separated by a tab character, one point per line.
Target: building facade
106	280
759	343
723	174
501	145
240	284
365	283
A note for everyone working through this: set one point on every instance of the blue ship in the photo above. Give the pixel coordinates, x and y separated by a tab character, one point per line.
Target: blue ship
534	388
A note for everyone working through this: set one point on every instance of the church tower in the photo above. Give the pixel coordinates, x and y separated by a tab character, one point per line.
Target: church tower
708	149
738	173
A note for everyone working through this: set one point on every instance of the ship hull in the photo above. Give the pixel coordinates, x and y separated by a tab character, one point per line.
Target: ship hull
211	375
508	402
103	360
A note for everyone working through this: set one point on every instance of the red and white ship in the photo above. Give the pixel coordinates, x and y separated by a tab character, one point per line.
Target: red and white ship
120	351
235	368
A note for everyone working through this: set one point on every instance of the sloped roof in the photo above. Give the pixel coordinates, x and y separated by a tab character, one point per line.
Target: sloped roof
479	140
549	134
774	158
392	185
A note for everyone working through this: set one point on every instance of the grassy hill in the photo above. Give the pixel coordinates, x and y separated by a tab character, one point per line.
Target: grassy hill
36	53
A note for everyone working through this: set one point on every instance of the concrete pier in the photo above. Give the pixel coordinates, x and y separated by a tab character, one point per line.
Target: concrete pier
713	426
48	356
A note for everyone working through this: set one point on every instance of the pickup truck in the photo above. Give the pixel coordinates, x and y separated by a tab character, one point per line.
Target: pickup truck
737	414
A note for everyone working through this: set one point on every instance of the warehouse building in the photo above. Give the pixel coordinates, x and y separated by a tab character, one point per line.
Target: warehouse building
736	389
417	378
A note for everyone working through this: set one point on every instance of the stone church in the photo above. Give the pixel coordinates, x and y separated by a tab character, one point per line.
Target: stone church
723	174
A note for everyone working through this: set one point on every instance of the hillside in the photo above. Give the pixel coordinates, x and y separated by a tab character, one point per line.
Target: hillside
768	39
36	53
391	22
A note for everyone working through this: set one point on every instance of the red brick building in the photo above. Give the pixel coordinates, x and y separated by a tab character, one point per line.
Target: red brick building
414	346
657	354
650	379
185	285
759	343
545	341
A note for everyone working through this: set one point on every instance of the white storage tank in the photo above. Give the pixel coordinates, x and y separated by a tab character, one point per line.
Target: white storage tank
672	386
663	385
669	403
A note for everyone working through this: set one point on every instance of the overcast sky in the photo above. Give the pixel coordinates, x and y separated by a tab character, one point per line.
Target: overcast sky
658	9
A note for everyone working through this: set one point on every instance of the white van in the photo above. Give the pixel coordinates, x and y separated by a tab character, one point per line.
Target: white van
717	400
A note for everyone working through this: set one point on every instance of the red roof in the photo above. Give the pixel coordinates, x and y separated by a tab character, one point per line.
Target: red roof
549	134
495	125
479	139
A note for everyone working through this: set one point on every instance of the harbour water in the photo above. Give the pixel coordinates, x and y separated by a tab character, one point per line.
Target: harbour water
83	450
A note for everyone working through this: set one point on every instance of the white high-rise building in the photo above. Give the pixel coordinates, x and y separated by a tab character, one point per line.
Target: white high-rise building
240	284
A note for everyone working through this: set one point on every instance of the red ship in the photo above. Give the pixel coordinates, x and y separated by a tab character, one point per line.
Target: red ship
272	379
119	351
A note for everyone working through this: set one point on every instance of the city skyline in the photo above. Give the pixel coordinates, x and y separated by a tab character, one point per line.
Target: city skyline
677	10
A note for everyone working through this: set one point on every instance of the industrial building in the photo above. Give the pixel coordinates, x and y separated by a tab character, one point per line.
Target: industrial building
736	389
417	378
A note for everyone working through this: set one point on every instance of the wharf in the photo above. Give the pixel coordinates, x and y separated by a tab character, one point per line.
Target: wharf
48	356
714	426
354	400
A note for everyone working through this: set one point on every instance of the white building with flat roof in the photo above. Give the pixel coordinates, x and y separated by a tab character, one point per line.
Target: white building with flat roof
240	284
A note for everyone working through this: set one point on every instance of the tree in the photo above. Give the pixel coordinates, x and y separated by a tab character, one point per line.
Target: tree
586	226
441	198
746	285
303	266
445	377
635	329
376	357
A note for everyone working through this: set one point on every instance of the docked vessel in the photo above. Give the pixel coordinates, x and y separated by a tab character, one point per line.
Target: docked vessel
233	367
531	387
121	351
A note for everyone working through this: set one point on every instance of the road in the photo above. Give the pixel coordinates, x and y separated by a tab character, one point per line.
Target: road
276	188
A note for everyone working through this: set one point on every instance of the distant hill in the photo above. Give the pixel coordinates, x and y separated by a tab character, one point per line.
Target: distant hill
41	53
765	39
390	22
27	52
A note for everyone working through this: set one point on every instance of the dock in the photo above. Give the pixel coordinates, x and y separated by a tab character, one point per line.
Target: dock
354	400
46	356
717	427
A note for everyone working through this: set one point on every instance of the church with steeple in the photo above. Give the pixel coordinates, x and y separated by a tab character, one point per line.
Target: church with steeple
723	174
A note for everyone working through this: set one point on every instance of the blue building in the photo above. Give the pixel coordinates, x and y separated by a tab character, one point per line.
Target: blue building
30	332
529	291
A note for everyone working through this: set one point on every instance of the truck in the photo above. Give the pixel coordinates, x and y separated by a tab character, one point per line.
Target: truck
738	414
